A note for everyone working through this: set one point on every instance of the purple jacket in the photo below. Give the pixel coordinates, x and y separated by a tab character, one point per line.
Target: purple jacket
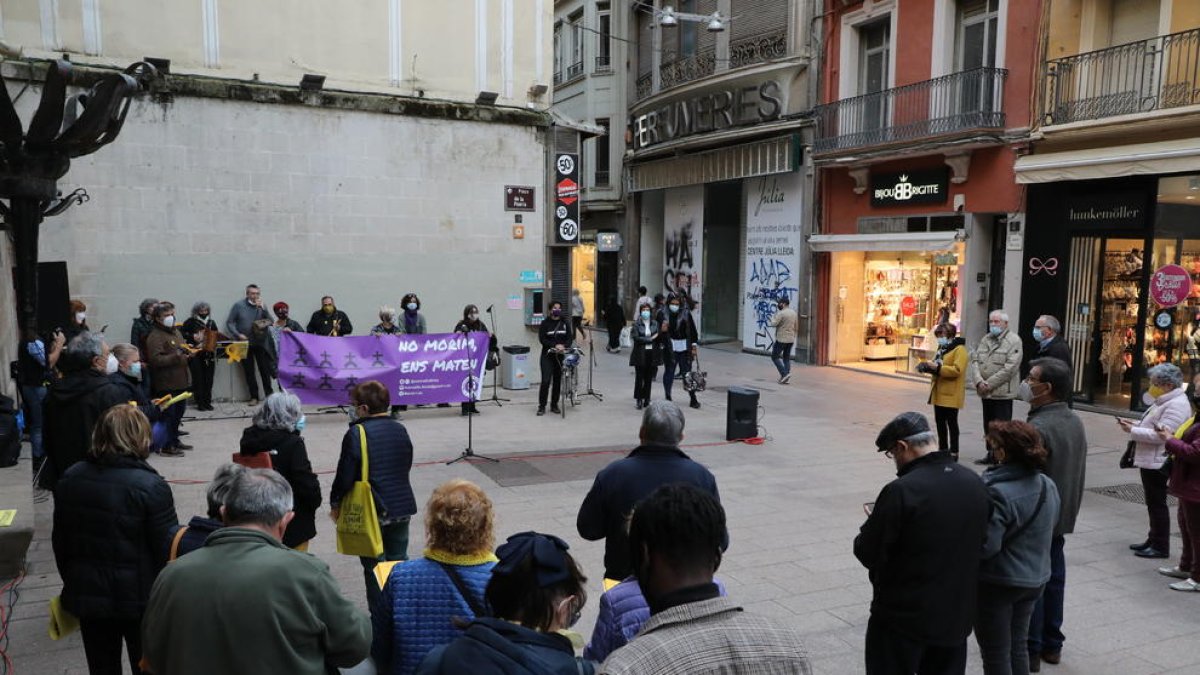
623	610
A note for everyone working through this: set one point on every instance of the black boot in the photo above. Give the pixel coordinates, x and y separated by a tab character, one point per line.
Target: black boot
695	403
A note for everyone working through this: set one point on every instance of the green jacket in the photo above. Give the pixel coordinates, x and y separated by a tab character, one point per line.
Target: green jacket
246	604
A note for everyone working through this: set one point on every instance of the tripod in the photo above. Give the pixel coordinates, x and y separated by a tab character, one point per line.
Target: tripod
469	453
591	366
495	398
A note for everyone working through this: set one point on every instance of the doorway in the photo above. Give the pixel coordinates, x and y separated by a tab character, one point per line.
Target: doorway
722	262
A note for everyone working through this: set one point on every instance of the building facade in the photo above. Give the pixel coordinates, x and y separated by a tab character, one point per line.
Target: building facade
720	194
1113	237
393	176
924	105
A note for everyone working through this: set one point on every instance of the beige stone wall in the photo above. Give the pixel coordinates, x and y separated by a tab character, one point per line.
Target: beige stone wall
449	49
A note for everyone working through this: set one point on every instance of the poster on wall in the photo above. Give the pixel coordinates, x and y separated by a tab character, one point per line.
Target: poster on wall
683	237
773	241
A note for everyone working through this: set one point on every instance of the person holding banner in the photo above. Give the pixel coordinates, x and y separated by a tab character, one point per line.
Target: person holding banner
387	322
329	320
556	335
414	320
471	324
389	454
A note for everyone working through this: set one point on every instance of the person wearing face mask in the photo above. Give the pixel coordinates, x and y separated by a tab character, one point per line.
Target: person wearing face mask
995	372
128	377
1047	333
646	355
389	460
947	390
921	545
536	593
680	341
277	427
168	356
556	335
1169	408
675	538
785	322
78	322
412	321
203	365
471	323
329	320
283	324
141	327
1184	485
74	403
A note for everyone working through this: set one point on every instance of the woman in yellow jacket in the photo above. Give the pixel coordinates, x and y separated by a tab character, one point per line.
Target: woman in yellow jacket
948	390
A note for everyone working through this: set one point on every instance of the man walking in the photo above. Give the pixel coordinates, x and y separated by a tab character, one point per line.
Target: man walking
245	603
1046	388
995	372
921	546
241	324
621	485
676	535
784	322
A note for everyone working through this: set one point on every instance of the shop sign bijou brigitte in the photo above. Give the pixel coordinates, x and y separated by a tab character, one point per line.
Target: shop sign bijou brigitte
910	187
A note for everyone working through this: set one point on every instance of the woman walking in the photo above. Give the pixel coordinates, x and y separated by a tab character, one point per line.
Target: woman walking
646	354
947	390
276	429
113	520
614	321
1169	408
1016	552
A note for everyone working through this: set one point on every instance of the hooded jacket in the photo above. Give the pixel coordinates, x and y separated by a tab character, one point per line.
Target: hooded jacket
291	461
498	647
73	404
1017	550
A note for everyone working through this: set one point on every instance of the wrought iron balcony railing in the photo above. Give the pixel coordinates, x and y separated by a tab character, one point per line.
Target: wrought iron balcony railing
687	69
645	85
603	64
758	49
558	77
972	99
575	70
602	177
1138	77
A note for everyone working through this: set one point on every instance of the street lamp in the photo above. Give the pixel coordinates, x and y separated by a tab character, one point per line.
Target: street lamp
668	17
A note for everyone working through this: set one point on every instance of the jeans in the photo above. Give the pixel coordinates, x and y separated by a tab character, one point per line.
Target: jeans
1154	484
203	370
102	640
551	378
995	409
671	361
395	547
256	355
1002	627
32	399
946	419
1189	529
643	379
1045	624
781	356
890	653
171	419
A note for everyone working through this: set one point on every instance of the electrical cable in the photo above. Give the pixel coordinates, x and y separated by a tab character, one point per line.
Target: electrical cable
6	611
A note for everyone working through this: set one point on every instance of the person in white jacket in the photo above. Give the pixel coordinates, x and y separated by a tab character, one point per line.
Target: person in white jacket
1169	408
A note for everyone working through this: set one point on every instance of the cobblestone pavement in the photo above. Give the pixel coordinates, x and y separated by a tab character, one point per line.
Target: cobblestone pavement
794	505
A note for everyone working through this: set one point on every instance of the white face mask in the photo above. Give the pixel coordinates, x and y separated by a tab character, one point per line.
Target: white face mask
1025	392
80	317
169	321
112	365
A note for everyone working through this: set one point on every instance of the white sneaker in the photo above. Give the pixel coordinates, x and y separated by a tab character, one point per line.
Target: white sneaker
1185	585
1174	572
785	379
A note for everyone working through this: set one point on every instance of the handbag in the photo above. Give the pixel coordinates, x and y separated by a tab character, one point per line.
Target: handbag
626	336
1127	456
695	379
358	531
259	460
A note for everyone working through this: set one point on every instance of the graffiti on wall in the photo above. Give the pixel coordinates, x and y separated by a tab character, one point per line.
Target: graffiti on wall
680	276
770	281
772	257
683	221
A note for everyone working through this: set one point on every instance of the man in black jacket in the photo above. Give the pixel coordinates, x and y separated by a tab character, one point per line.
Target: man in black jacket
1047	331
921	546
74	403
621	485
329	320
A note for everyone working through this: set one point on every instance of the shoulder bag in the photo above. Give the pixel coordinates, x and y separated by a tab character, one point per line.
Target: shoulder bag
358	531
1036	510
478	608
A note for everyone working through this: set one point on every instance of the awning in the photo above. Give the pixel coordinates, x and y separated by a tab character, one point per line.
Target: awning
894	241
1111	162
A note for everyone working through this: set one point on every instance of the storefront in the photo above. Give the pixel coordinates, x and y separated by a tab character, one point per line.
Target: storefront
1097	253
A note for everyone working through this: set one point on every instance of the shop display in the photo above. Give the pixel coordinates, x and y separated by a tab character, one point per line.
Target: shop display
905	298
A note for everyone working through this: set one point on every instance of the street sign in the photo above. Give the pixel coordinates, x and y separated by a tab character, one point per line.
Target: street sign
519	198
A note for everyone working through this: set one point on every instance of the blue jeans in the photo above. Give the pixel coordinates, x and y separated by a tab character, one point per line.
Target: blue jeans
672	360
781	356
395	547
32	398
1045	626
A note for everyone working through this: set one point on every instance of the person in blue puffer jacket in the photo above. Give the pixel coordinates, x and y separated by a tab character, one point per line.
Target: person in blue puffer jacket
623	610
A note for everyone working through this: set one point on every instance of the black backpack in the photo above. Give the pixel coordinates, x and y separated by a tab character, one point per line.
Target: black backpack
10	433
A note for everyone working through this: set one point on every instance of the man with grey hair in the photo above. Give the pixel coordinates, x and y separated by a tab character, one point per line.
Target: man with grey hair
1047	332
921	546
995	372
290	616
74	403
191	537
621	485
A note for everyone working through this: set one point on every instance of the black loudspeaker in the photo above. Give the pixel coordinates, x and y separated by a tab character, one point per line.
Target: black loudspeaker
53	297
741	420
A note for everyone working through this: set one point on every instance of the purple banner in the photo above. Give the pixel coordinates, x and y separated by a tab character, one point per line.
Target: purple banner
416	369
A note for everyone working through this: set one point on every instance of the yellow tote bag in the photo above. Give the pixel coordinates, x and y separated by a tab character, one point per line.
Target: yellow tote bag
358	524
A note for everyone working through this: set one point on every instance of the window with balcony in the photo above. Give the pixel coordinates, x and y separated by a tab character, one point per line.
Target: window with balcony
575	68
602	153
604	40
975	49
875	46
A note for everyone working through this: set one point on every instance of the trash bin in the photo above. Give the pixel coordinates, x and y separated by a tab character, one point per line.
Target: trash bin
514	362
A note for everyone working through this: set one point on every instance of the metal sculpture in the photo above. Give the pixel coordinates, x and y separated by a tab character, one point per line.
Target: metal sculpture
32	162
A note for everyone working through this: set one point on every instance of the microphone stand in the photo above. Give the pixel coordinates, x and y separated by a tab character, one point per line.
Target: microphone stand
591	365
496	398
469	453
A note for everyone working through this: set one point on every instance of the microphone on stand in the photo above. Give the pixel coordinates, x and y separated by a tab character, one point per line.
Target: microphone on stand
489	309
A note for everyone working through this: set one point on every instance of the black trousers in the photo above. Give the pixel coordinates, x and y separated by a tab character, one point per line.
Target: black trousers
643	380
995	409
258	356
551	377
890	653
102	642
946	419
1154	483
203	370
614	336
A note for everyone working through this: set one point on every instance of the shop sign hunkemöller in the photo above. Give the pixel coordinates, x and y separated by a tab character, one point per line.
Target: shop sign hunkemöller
730	105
